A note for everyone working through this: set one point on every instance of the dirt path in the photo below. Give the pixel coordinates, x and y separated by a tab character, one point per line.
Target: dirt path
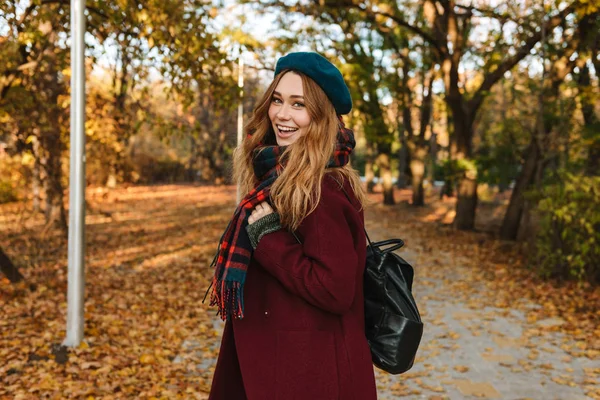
475	346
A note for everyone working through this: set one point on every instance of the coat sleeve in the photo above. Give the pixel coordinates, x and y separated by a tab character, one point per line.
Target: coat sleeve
323	269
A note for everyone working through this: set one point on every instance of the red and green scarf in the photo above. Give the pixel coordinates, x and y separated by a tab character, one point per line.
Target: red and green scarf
235	251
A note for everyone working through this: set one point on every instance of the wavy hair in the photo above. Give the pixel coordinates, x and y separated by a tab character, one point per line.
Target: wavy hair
297	190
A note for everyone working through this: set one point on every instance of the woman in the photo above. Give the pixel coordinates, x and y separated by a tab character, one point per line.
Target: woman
289	269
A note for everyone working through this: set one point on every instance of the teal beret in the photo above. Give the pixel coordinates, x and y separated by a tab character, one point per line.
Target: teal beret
324	73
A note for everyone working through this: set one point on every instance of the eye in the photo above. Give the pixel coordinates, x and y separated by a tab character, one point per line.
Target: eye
298	104
275	100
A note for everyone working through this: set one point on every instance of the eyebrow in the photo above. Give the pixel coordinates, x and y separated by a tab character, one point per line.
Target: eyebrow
292	96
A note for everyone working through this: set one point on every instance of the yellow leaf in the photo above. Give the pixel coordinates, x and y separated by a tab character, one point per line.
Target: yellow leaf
147	359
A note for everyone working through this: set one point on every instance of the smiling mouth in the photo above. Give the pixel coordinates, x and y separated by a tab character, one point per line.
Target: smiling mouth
285	130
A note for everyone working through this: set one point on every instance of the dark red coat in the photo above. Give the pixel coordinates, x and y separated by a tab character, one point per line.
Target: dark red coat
303	336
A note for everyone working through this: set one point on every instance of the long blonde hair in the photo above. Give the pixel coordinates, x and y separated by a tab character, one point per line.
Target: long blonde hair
297	191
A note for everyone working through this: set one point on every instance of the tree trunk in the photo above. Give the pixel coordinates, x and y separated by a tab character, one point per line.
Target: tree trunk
369	170
449	180
383	162
191	169
418	175
466	204
516	224
406	135
8	268
512	218
36	179
592	166
462	120
433	152
52	165
403	153
517	217
527	226
403	163
419	150
50	142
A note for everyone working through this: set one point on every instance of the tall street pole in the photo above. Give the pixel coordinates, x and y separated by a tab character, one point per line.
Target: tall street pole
76	274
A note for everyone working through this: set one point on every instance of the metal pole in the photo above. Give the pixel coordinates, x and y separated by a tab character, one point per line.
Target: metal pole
240	121
76	276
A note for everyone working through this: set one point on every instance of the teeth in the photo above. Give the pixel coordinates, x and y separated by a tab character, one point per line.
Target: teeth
286	129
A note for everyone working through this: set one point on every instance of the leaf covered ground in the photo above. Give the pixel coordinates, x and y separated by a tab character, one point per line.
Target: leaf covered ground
147	258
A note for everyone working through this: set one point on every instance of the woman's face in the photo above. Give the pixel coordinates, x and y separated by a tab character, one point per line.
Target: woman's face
287	112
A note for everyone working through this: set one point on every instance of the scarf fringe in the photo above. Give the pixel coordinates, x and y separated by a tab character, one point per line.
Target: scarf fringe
228	296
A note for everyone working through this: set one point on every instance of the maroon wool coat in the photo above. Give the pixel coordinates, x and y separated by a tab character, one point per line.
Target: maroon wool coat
303	336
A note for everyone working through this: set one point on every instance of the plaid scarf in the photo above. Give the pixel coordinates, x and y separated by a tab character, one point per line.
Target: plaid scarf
235	251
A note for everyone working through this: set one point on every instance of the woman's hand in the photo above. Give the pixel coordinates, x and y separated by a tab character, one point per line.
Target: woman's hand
261	210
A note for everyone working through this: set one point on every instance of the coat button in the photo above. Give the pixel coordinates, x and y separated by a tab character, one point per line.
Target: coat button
266	314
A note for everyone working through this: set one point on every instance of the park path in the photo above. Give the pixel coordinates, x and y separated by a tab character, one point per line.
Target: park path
470	349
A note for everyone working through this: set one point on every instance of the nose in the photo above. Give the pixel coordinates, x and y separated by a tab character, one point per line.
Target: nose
283	113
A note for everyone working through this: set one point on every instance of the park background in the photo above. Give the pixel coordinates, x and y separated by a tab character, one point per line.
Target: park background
478	135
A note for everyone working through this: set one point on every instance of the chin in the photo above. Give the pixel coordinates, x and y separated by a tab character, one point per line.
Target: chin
285	142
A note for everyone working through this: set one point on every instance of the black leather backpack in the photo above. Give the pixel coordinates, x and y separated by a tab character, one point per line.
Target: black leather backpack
392	321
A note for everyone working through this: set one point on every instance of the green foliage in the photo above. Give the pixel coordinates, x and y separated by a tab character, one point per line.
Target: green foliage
359	161
505	125
568	240
152	161
452	170
449	171
444	170
7	192
15	176
497	165
154	171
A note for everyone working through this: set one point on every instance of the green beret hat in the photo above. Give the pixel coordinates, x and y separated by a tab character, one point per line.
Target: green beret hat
324	73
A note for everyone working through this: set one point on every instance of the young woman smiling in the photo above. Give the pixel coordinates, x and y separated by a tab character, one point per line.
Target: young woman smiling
289	268
287	112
